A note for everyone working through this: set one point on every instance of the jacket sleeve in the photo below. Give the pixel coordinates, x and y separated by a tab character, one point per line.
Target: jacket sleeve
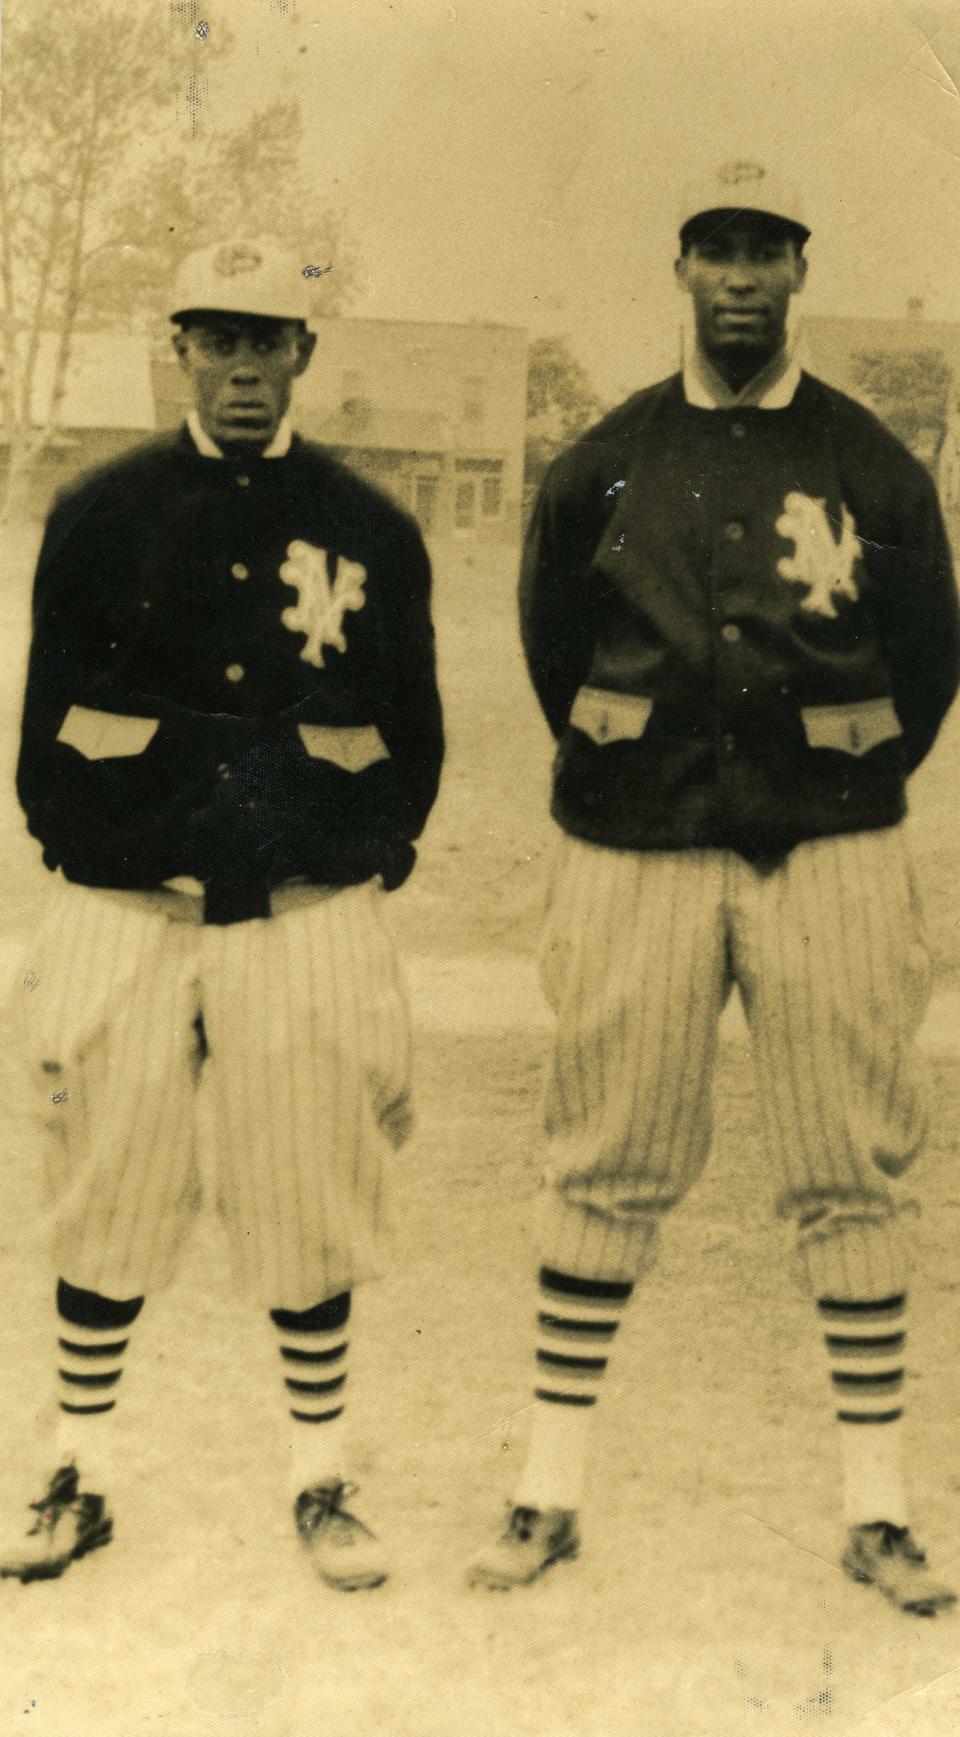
409	712
918	618
83	811
559	609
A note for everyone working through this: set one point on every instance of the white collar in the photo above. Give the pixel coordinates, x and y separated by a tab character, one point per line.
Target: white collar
278	448
770	389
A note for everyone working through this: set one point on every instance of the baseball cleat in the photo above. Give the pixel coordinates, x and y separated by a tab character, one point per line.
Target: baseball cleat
344	1552
888	1558
530	1543
70	1523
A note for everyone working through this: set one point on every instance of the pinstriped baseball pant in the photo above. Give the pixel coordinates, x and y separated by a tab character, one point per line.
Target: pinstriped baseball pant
640	952
307	1050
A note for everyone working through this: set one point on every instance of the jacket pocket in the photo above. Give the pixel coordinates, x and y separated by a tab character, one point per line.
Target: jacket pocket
353	747
606	716
851	729
106	735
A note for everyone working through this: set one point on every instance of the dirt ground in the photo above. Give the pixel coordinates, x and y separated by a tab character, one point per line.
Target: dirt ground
708	1598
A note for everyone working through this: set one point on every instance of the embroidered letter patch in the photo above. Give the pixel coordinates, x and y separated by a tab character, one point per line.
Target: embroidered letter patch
322	602
821	563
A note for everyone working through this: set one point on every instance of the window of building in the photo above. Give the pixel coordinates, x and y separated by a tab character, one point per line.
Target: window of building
400	484
425	501
486	480
465	506
491	496
353	391
473	398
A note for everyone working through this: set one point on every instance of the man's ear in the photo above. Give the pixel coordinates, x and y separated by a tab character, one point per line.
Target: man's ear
800	276
306	344
680	270
181	346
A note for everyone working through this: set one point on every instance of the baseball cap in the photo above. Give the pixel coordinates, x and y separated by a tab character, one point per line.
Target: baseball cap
254	277
742	185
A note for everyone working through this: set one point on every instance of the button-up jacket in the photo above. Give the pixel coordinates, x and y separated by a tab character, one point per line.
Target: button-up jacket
741	622
232	677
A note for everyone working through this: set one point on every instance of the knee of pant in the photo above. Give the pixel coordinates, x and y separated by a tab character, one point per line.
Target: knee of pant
584	1236
820	1213
624	1200
853	1249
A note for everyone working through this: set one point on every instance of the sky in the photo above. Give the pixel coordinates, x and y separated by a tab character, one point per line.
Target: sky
522	162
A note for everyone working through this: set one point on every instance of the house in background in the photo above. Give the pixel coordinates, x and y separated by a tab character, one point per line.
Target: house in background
906	370
107	407
433	413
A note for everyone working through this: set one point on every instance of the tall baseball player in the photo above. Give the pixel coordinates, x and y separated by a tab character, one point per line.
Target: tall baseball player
740	620
231	738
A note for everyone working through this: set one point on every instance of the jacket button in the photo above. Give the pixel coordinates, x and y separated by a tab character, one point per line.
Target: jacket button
729	742
735	531
243	481
223	770
239	571
234	672
738	430
730	632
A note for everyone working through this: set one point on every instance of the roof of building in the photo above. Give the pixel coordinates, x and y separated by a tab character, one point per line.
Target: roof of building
376	430
372	322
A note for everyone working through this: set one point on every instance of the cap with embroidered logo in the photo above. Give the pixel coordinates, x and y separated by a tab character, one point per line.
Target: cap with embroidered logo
742	185
255	277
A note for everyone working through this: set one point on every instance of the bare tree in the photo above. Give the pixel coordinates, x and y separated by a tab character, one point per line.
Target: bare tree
96	203
83	87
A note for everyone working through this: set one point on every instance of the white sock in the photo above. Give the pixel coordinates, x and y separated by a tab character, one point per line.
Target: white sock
866	1341
873	1473
89	1448
317	1453
315	1374
89	1367
576	1322
553	1474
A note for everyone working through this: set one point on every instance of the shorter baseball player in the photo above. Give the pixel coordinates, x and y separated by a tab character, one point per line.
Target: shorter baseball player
740	620
231	739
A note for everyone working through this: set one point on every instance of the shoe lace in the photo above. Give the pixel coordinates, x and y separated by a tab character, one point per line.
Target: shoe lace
520	1524
51	1505
326	1502
900	1540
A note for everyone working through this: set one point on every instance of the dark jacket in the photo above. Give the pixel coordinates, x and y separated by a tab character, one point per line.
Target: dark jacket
741	624
172	725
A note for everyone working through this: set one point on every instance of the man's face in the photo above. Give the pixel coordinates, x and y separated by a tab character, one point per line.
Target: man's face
740	279
242	371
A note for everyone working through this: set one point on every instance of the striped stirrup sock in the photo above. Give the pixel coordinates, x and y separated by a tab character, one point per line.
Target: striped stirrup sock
313	1347
92	1339
866	1343
577	1320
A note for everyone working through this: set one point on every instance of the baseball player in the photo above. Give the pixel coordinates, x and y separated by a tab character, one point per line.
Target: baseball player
231	739
740	621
